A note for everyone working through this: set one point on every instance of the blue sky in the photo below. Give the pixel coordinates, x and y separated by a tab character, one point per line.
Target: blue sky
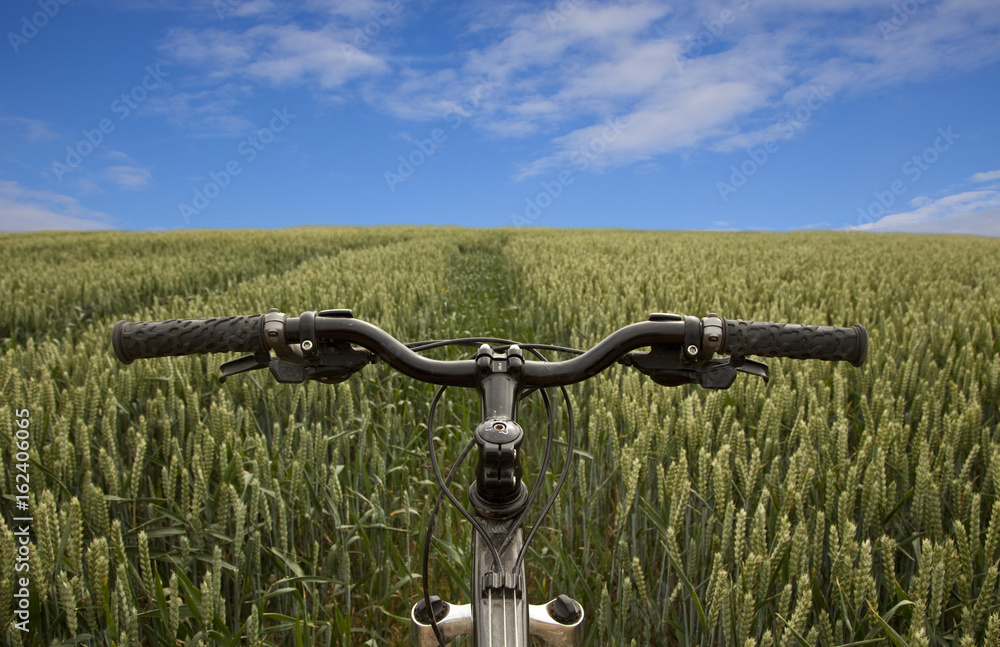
739	114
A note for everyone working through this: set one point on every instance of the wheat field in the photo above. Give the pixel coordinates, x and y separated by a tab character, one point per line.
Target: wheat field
831	506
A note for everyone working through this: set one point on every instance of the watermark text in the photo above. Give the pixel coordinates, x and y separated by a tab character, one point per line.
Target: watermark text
363	35
901	13
31	26
22	519
424	149
123	106
248	150
581	159
785	129
912	169
714	29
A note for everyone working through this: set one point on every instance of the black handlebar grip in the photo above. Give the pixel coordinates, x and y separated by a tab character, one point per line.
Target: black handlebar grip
142	339
796	341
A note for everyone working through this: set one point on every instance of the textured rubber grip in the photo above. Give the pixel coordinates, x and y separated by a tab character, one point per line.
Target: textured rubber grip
142	339
797	341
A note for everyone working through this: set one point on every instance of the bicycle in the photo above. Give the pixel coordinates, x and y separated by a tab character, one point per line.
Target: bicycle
331	345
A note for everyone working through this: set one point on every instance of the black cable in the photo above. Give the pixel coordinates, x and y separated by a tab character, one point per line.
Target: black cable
455	502
426	555
546	456
536	488
440	480
558	487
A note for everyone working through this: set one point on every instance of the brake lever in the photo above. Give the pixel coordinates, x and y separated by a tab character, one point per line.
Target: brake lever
721	373
260	359
332	364
751	367
669	369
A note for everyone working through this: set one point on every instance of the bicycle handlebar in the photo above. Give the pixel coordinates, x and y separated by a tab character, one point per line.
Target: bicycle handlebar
173	337
797	341
704	337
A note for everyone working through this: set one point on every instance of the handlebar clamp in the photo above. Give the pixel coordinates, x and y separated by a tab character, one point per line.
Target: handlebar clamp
713	333
274	337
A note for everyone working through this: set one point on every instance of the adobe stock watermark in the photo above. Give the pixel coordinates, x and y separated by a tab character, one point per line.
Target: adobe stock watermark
424	149
22	518
30	26
225	7
901	13
581	159
913	169
247	150
713	30
786	128
561	13
363	35
123	106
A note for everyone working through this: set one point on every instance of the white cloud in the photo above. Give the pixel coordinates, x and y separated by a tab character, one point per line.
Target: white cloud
680	85
34	130
357	9
119	156
987	176
276	54
253	7
230	61
23	209
969	212
218	50
116	170
752	78
129	178
718	75
215	110
663	124
291	54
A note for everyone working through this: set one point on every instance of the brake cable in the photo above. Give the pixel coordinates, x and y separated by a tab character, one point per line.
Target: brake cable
426	553
444	487
558	487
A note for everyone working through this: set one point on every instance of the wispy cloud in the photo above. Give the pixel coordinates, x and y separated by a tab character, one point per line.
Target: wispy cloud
230	61
129	178
246	8
23	209
217	51
758	67
356	9
292	54
34	130
718	75
988	176
974	212
216	110
275	53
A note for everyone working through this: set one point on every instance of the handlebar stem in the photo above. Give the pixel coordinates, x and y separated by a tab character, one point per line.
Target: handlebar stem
498	485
